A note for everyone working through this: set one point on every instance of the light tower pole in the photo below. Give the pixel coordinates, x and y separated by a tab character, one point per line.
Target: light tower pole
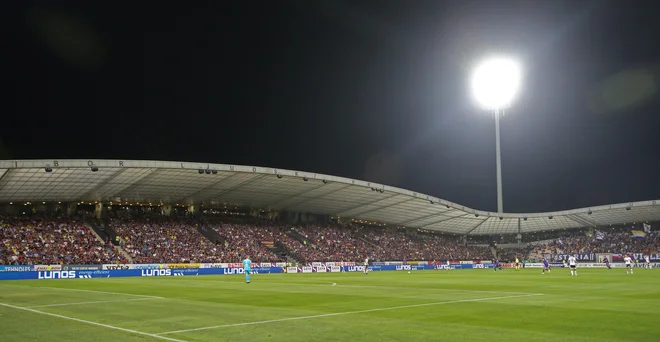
498	162
495	84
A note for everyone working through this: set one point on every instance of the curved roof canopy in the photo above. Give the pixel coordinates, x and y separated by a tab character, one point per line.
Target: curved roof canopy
277	189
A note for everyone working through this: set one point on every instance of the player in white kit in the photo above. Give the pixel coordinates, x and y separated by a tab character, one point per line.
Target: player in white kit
572	264
628	261
366	266
648	262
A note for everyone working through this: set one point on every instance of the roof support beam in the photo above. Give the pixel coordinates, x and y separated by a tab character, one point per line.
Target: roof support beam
405	223
288	197
365	204
206	188
580	220
302	200
443	220
109	180
477	226
381	207
226	191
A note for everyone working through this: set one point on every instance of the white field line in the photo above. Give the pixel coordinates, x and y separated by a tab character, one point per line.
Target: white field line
346	313
431	289
370	286
96	302
93	291
90	322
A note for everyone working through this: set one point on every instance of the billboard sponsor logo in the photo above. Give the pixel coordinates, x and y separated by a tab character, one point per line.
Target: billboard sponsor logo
56	274
356	268
478	266
81	267
335	269
156	273
148	266
237	271
116	267
19	268
183	265
403	268
48	267
292	269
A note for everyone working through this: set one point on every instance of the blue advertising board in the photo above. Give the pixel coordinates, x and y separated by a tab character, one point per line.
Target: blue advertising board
130	273
16	268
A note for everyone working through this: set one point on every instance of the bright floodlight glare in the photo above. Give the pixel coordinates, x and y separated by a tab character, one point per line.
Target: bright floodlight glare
495	83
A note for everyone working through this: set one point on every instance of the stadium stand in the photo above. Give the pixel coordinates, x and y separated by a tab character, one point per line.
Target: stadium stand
98	194
55	240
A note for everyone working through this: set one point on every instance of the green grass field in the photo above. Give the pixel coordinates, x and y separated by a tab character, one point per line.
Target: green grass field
459	305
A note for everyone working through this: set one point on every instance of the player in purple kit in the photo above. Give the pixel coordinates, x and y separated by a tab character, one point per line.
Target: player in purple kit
496	265
546	266
607	262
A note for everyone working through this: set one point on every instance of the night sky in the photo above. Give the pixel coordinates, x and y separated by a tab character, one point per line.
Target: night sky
375	90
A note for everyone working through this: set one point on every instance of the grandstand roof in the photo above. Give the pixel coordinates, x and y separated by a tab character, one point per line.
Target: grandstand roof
183	183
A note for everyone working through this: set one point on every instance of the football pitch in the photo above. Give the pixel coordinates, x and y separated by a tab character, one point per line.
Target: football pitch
457	305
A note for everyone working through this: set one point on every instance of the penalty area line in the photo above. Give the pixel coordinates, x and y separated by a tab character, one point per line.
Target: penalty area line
347	313
90	322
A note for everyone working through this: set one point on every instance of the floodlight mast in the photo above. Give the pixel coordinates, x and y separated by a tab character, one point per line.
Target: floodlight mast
495	84
498	161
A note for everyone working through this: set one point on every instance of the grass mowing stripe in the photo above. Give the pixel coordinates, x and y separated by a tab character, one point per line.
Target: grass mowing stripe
346	313
90	322
96	302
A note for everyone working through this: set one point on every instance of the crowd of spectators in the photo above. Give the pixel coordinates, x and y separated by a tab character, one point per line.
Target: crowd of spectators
164	240
159	239
253	240
52	240
510	254
332	243
612	242
398	245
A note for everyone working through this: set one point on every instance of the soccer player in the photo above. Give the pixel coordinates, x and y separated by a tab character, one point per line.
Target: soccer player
546	265
366	266
517	264
572	263
247	268
496	265
607	263
628	261
648	262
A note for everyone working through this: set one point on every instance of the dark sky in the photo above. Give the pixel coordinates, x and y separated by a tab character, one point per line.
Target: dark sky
374	90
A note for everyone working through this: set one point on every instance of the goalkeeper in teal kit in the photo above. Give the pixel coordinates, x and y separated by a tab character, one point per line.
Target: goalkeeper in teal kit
247	268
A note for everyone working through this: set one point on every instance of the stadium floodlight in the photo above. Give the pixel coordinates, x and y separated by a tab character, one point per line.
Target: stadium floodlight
495	84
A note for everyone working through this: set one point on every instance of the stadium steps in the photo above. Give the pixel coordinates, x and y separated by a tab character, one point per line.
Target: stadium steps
98	229
363	238
494	251
294	234
110	232
98	237
125	254
90	225
283	252
211	235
